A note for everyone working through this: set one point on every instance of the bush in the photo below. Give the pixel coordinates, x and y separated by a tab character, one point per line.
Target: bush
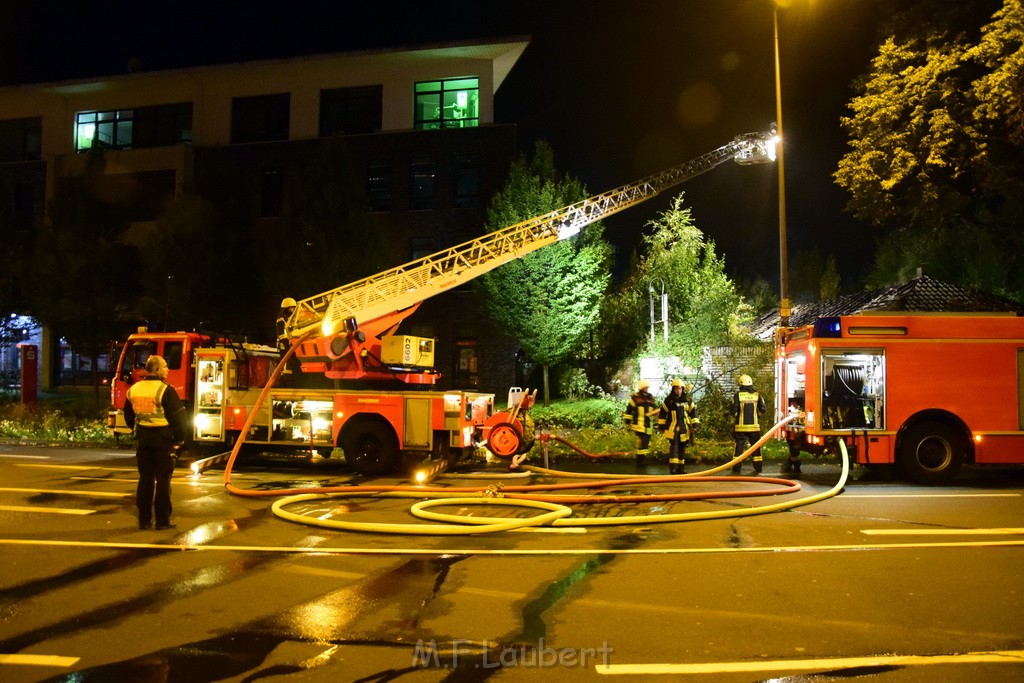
64	419
579	414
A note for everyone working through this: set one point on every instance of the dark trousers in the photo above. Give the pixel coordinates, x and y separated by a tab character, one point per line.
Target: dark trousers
743	441
156	465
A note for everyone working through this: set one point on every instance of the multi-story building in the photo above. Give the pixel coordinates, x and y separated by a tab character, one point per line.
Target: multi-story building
418	122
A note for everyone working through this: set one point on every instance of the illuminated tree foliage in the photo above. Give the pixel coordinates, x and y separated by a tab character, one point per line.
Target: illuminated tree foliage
548	300
705	307
935	160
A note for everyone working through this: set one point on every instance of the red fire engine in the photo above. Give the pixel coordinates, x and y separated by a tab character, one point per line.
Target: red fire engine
926	392
349	333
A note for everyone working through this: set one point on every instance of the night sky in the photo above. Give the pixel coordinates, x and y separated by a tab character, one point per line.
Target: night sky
620	90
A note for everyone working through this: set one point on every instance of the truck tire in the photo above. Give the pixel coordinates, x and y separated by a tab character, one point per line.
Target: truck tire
931	453
371	448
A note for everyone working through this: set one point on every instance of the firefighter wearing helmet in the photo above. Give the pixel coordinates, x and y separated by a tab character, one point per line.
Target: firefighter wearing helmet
287	308
678	421
746	407
640	416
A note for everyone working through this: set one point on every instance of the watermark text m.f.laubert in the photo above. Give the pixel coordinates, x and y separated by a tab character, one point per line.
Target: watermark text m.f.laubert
483	655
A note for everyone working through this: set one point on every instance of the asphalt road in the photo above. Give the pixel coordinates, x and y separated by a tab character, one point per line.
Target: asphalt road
883	580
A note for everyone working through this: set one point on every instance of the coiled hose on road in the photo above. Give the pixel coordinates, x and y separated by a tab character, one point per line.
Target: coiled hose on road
537	496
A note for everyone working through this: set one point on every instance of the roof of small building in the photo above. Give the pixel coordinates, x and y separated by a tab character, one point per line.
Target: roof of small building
922	294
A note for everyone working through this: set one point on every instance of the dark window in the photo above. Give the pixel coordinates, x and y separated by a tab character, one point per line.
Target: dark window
172	354
351	110
144	194
23	209
259	119
466	362
449	103
163	126
271	192
423	175
157	126
21	139
420	247
467	183
379	187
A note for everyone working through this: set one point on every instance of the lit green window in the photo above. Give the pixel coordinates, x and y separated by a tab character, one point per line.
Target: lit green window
449	103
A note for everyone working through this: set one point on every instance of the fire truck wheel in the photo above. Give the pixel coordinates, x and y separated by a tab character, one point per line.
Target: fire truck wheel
371	448
931	453
504	440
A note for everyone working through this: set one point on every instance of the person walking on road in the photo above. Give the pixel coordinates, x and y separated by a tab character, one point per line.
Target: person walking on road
678	421
746	407
157	415
640	416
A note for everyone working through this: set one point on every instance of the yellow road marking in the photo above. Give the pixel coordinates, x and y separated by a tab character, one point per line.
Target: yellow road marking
827	664
66	492
174	480
941	532
51	511
307	550
38	660
77	467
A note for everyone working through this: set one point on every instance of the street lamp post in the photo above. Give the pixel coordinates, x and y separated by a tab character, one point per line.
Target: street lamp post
783	260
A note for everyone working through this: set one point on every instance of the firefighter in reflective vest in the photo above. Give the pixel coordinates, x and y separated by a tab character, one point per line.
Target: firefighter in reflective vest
746	407
640	416
678	421
157	415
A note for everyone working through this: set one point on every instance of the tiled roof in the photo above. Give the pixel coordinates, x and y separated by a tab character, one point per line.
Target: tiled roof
922	294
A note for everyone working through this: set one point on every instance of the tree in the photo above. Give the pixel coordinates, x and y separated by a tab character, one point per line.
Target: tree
548	300
705	306
82	277
329	237
198	266
936	159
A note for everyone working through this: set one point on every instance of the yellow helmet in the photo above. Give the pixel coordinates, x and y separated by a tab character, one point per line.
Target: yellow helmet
288	302
643	384
677	383
746	381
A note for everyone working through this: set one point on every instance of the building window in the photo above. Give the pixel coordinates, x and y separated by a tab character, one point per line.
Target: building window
263	118
350	111
451	103
420	247
467	183
466	363
23	207
271	192
21	139
379	187
158	126
423	175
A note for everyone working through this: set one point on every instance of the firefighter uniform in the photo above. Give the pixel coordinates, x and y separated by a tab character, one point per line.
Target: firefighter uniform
640	416
747	406
678	421
157	415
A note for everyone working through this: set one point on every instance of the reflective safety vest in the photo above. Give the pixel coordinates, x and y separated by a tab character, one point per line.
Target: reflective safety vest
147	401
746	419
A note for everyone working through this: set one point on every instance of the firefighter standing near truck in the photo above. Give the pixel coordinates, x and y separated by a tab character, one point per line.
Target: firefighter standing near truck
157	415
746	407
640	416
283	342
678	421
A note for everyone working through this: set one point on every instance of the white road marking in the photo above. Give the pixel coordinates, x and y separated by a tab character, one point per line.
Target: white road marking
512	552
174	480
826	664
941	532
50	511
848	496
38	660
30	457
78	467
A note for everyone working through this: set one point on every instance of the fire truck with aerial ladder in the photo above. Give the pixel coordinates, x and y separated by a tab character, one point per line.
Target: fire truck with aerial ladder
926	392
349	333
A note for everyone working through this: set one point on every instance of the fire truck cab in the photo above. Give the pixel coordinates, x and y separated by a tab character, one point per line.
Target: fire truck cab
927	393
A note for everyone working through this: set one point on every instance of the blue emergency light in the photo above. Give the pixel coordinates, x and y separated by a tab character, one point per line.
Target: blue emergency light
828	327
